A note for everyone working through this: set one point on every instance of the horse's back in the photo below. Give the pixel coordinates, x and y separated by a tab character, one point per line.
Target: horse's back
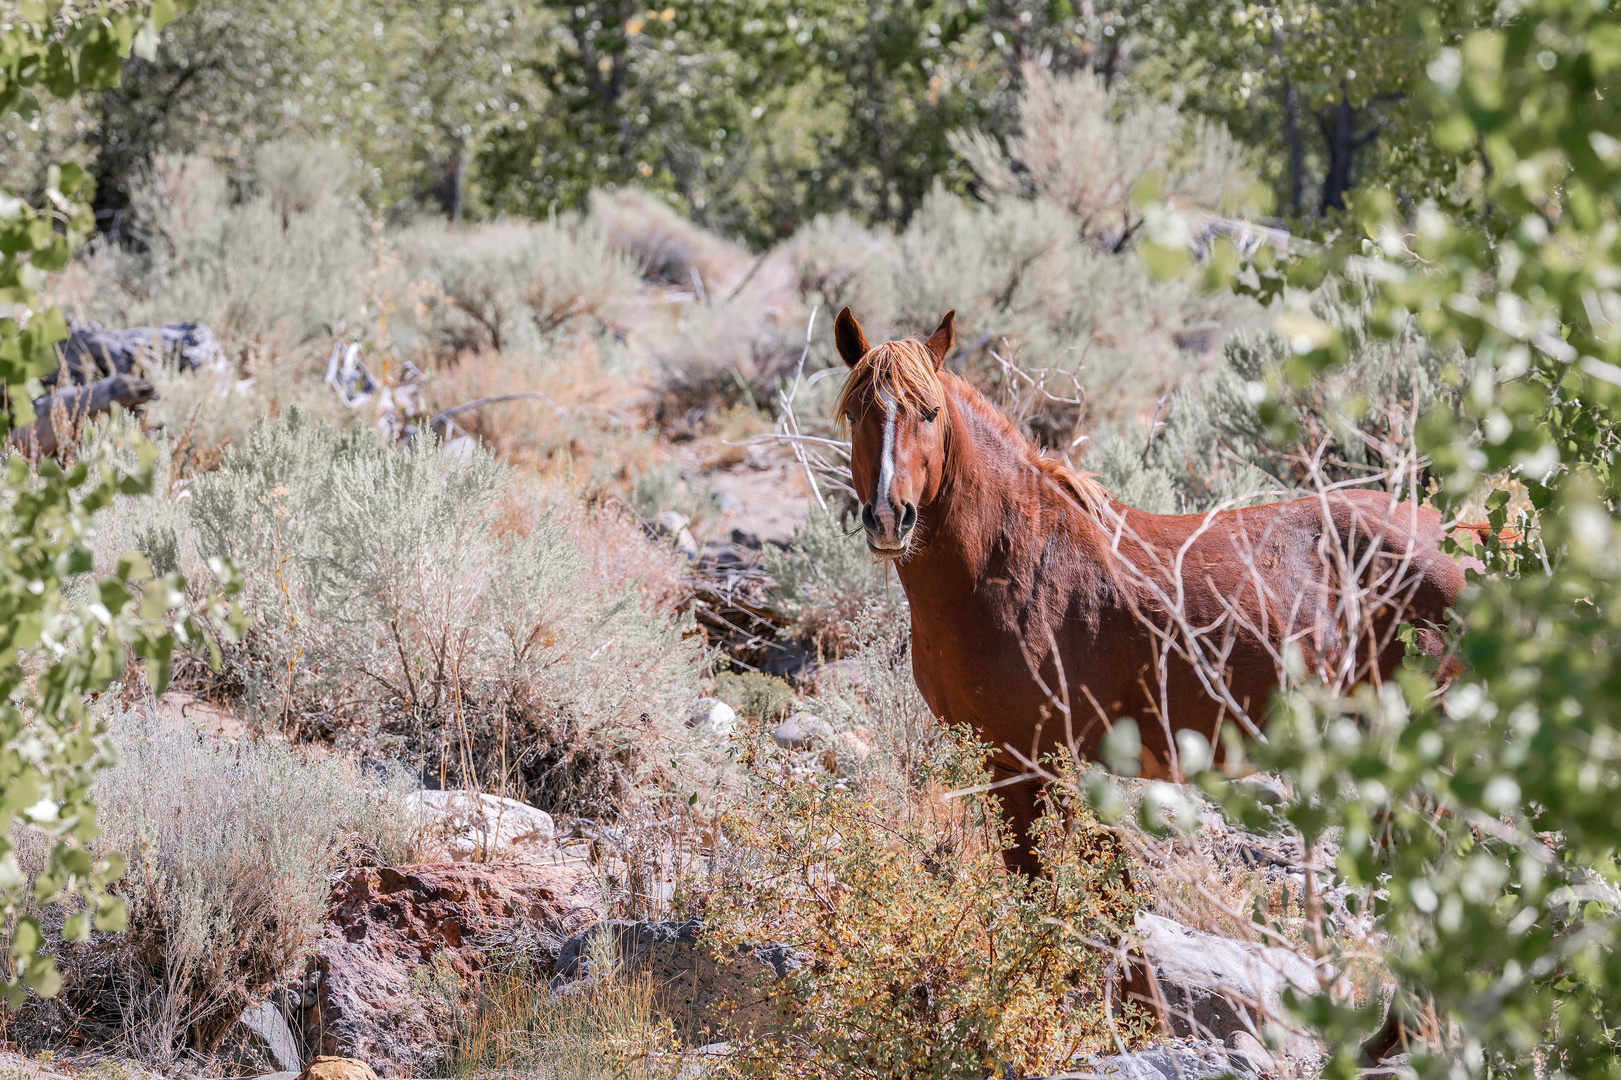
1278	548
1406	533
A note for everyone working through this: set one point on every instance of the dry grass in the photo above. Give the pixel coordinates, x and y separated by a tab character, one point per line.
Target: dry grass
668	247
614	544
604	1029
920	955
510	286
589	423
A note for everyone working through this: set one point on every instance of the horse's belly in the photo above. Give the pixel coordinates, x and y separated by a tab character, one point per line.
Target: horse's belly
984	681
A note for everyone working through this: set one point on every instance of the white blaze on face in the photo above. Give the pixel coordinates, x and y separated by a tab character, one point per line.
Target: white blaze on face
886	465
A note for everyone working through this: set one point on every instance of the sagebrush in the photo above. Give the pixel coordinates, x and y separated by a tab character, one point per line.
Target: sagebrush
229	848
414	604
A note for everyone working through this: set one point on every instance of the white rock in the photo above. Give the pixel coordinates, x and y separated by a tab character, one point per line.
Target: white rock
670	523
1185	1061
469	826
714	716
1252	1052
1216	987
702	1060
796	732
461	448
1267	790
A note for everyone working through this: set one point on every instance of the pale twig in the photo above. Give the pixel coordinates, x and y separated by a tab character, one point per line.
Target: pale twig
790	420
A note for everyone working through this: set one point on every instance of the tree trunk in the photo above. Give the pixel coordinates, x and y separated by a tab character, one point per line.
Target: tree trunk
458	181
450	183
872	114
1339	133
1291	134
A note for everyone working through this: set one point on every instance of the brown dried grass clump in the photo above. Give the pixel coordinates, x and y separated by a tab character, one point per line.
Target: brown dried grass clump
607	1028
576	421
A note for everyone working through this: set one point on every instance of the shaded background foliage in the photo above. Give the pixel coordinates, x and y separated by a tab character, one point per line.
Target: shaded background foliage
752	116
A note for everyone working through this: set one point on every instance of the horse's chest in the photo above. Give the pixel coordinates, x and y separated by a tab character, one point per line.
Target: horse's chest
971	664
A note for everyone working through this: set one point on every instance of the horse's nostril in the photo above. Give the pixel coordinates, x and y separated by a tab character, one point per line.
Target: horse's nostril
869	520
908	518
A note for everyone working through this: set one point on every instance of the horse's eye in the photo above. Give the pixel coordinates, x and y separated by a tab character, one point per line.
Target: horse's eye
930	414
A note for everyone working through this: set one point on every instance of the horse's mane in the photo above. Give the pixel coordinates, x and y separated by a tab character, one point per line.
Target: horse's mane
1080	486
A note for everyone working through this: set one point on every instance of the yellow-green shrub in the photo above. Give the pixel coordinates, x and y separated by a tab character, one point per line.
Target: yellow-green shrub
920	956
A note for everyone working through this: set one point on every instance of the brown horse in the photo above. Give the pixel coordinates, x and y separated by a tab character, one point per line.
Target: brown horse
1043	611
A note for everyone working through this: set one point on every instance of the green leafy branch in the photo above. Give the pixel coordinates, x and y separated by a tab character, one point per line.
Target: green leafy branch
59	654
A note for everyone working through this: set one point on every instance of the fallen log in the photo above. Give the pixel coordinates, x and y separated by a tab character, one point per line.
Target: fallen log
64	411
92	353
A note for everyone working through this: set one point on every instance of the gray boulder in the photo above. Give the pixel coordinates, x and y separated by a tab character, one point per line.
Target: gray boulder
800	730
1210	987
267	1031
1264	789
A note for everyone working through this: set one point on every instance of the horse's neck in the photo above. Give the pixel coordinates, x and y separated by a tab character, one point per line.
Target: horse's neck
991	506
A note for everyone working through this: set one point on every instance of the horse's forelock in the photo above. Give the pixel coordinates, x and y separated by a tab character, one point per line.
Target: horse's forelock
904	370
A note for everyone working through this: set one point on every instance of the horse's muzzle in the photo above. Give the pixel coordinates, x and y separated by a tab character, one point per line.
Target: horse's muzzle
884	541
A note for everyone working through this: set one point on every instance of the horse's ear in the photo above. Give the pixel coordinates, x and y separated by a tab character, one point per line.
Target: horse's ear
939	342
848	337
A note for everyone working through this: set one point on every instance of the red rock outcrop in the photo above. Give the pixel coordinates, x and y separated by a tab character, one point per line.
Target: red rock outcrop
384	924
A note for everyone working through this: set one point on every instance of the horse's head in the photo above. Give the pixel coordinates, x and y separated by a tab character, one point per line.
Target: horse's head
894	405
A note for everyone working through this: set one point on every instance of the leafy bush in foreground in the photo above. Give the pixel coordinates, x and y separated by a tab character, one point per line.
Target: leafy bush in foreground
57	651
1481	829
